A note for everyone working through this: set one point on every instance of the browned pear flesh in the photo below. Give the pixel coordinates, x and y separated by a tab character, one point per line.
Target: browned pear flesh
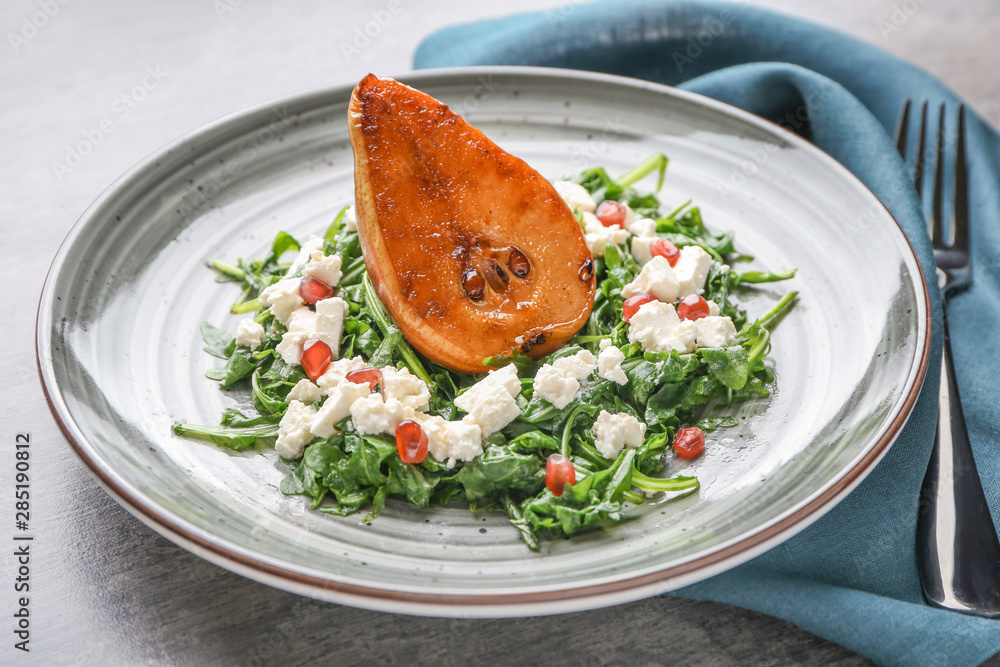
471	251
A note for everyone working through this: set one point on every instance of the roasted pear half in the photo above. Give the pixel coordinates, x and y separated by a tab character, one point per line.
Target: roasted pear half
471	251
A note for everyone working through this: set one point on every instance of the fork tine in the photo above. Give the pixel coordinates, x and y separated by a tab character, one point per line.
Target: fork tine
937	200
901	127
960	220
918	176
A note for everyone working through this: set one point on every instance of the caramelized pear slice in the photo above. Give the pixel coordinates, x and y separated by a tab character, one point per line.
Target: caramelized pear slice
471	251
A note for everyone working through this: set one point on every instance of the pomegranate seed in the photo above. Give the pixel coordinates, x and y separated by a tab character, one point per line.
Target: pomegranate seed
559	472
692	307
611	213
411	441
370	375
634	302
316	357
312	290
665	249
689	441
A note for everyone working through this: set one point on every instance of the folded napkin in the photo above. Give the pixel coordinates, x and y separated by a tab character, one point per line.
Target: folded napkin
852	576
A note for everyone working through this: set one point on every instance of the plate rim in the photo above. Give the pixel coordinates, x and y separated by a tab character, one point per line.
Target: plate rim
242	561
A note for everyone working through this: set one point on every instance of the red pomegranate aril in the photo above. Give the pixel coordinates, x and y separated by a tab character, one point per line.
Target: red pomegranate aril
312	290
370	375
689	442
633	303
559	472
692	307
411	442
316	358
665	249
611	213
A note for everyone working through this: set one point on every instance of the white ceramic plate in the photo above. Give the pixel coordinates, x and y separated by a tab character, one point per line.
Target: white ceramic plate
121	357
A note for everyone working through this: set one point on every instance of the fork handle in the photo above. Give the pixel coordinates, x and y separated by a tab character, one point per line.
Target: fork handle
956	538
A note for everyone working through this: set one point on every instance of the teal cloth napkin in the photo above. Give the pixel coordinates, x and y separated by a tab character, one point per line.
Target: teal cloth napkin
852	576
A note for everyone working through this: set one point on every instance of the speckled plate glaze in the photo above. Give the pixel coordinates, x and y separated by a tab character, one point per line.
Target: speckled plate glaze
121	359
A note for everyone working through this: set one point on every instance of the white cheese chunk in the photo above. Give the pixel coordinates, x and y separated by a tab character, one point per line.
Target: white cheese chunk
579	365
329	326
371	415
692	269
555	386
249	333
294	430
642	227
300	325
405	387
657	278
335	373
283	297
449	442
337	406
505	377
609	363
656	327
325	269
715	331
640	248
305	391
350	220
492	410
713	308
325	324
614	431
598	236
309	250
575	196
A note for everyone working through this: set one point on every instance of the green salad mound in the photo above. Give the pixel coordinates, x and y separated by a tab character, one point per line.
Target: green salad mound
348	471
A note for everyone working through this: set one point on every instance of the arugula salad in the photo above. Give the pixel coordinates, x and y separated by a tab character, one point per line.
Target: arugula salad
557	444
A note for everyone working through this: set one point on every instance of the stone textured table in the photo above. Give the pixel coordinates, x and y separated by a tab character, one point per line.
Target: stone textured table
130	76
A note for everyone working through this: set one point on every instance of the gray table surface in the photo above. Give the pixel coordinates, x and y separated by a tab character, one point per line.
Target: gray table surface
106	590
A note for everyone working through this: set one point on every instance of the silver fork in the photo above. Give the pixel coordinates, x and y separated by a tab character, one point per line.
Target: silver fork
957	548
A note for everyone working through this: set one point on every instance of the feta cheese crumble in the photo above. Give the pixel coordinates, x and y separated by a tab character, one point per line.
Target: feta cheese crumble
598	236
691	270
643	227
657	278
336	372
249	333
450	442
715	331
656	327
325	268
555	386
371	415
294	430
283	297
337	406
579	365
614	431
405	387
493	409
325	324
305	391
311	249
350	220
575	196
505	377
609	363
